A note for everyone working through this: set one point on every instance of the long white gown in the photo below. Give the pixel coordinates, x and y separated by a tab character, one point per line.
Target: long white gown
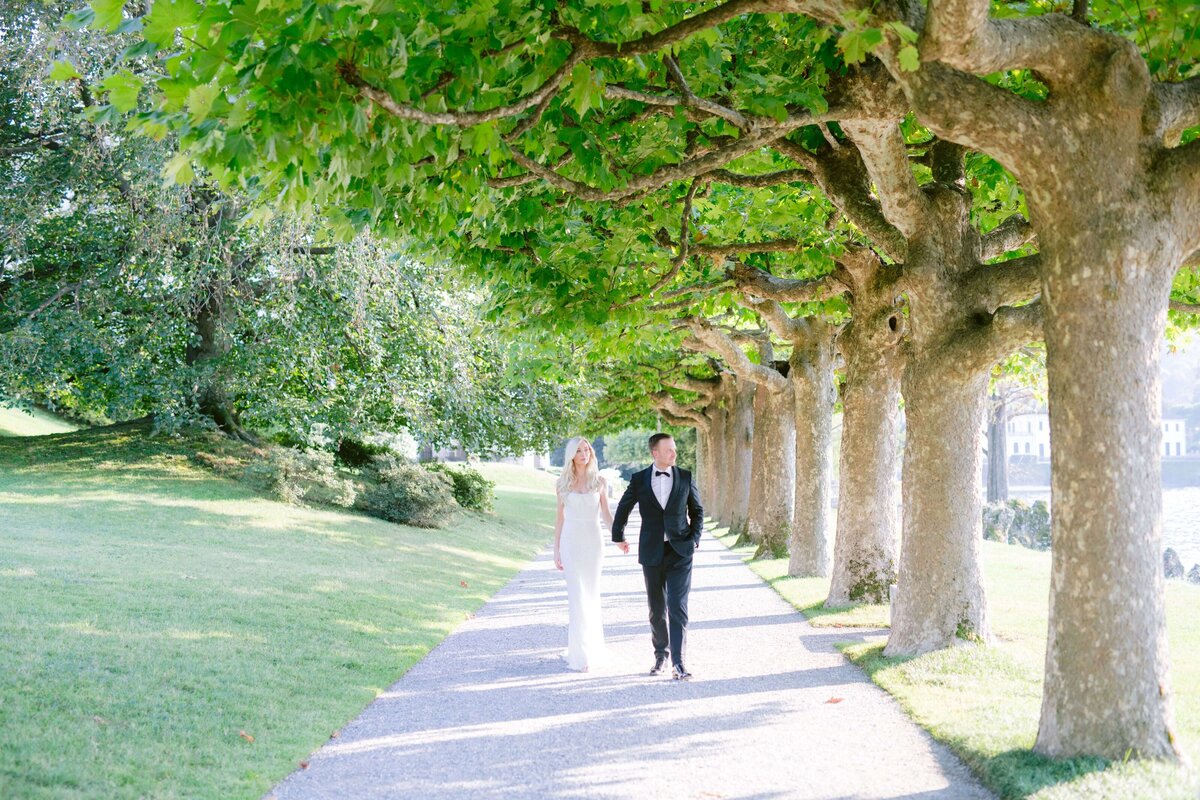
581	546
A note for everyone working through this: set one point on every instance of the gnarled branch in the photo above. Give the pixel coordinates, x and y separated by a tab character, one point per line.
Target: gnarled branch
1178	108
1005	283
882	149
1010	234
756	282
711	339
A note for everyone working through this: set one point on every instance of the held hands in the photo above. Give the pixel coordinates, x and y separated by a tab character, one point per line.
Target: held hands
624	547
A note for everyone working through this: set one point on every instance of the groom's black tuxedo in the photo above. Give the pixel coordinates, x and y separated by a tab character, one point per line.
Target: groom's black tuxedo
667	569
682	520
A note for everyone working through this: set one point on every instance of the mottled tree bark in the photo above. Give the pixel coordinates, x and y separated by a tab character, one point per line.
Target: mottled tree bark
772	474
811	374
1114	197
864	562
940	595
960	323
739	435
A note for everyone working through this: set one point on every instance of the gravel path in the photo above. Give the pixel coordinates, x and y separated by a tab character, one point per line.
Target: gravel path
492	712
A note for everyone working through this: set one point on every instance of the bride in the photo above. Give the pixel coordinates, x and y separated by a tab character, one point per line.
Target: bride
578	551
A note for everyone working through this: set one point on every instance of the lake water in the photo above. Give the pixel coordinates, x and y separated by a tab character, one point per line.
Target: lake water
1181	517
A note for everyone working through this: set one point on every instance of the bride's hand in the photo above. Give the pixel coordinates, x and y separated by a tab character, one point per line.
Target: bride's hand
558	562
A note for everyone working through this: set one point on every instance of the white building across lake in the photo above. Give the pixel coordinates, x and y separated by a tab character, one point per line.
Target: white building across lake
1029	435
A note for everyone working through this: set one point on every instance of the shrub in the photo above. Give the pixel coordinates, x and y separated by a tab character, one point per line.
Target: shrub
471	489
403	492
357	453
294	476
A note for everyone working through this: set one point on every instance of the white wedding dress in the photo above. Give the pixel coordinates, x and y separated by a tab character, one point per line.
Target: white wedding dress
581	547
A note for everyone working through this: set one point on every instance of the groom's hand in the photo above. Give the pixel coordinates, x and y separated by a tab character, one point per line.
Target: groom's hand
624	546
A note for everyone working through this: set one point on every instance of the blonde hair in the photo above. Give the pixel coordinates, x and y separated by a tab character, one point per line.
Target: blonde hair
567	480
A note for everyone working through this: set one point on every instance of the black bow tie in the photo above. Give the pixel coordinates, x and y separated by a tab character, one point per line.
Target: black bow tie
665	474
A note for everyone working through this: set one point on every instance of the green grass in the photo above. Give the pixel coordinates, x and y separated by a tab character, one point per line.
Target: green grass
984	702
35	422
155	612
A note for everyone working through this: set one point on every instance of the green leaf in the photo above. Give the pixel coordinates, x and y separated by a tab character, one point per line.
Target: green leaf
200	101
123	88
179	169
63	71
906	34
167	17
855	45
79	19
585	92
909	58
108	14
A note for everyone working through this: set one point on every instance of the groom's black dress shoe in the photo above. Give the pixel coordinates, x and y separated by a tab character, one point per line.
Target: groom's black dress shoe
681	673
659	663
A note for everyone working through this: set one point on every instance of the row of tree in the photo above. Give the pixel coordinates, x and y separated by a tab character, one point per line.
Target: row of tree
922	188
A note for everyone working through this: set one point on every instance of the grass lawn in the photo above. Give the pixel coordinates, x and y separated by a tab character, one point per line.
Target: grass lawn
984	702
168	634
35	422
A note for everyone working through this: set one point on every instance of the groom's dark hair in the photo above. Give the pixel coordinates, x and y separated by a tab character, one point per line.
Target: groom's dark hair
658	437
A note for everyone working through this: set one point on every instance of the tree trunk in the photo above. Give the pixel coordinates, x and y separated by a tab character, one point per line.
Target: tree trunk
739	435
704	469
713	490
204	352
940	597
864	558
1107	689
811	376
772	479
997	479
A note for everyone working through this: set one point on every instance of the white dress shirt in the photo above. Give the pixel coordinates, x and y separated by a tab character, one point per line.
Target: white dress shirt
661	484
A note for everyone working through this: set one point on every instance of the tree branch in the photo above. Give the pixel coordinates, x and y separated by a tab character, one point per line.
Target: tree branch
1005	283
758	283
843	177
960	34
711	339
759	181
1175	178
970	111
778	320
664	402
663	175
1010	234
1184	308
882	149
990	340
350	74
1178	108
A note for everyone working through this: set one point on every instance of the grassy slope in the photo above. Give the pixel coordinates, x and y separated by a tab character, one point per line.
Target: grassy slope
14	422
985	702
160	612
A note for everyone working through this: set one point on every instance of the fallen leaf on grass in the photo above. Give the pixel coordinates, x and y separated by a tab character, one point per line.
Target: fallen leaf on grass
335	734
246	736
833	700
463	584
99	720
303	765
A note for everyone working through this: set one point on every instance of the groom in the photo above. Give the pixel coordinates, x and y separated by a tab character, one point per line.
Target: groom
672	521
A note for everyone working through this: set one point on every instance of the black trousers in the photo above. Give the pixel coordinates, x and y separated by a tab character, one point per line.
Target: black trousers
667	587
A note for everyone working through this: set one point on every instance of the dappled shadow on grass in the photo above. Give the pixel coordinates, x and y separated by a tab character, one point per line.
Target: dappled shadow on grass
162	611
1014	773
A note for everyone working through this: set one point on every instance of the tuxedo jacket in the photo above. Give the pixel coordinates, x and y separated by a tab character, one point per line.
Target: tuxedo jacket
682	520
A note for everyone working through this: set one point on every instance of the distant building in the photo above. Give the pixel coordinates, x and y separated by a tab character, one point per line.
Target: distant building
1174	438
1029	437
